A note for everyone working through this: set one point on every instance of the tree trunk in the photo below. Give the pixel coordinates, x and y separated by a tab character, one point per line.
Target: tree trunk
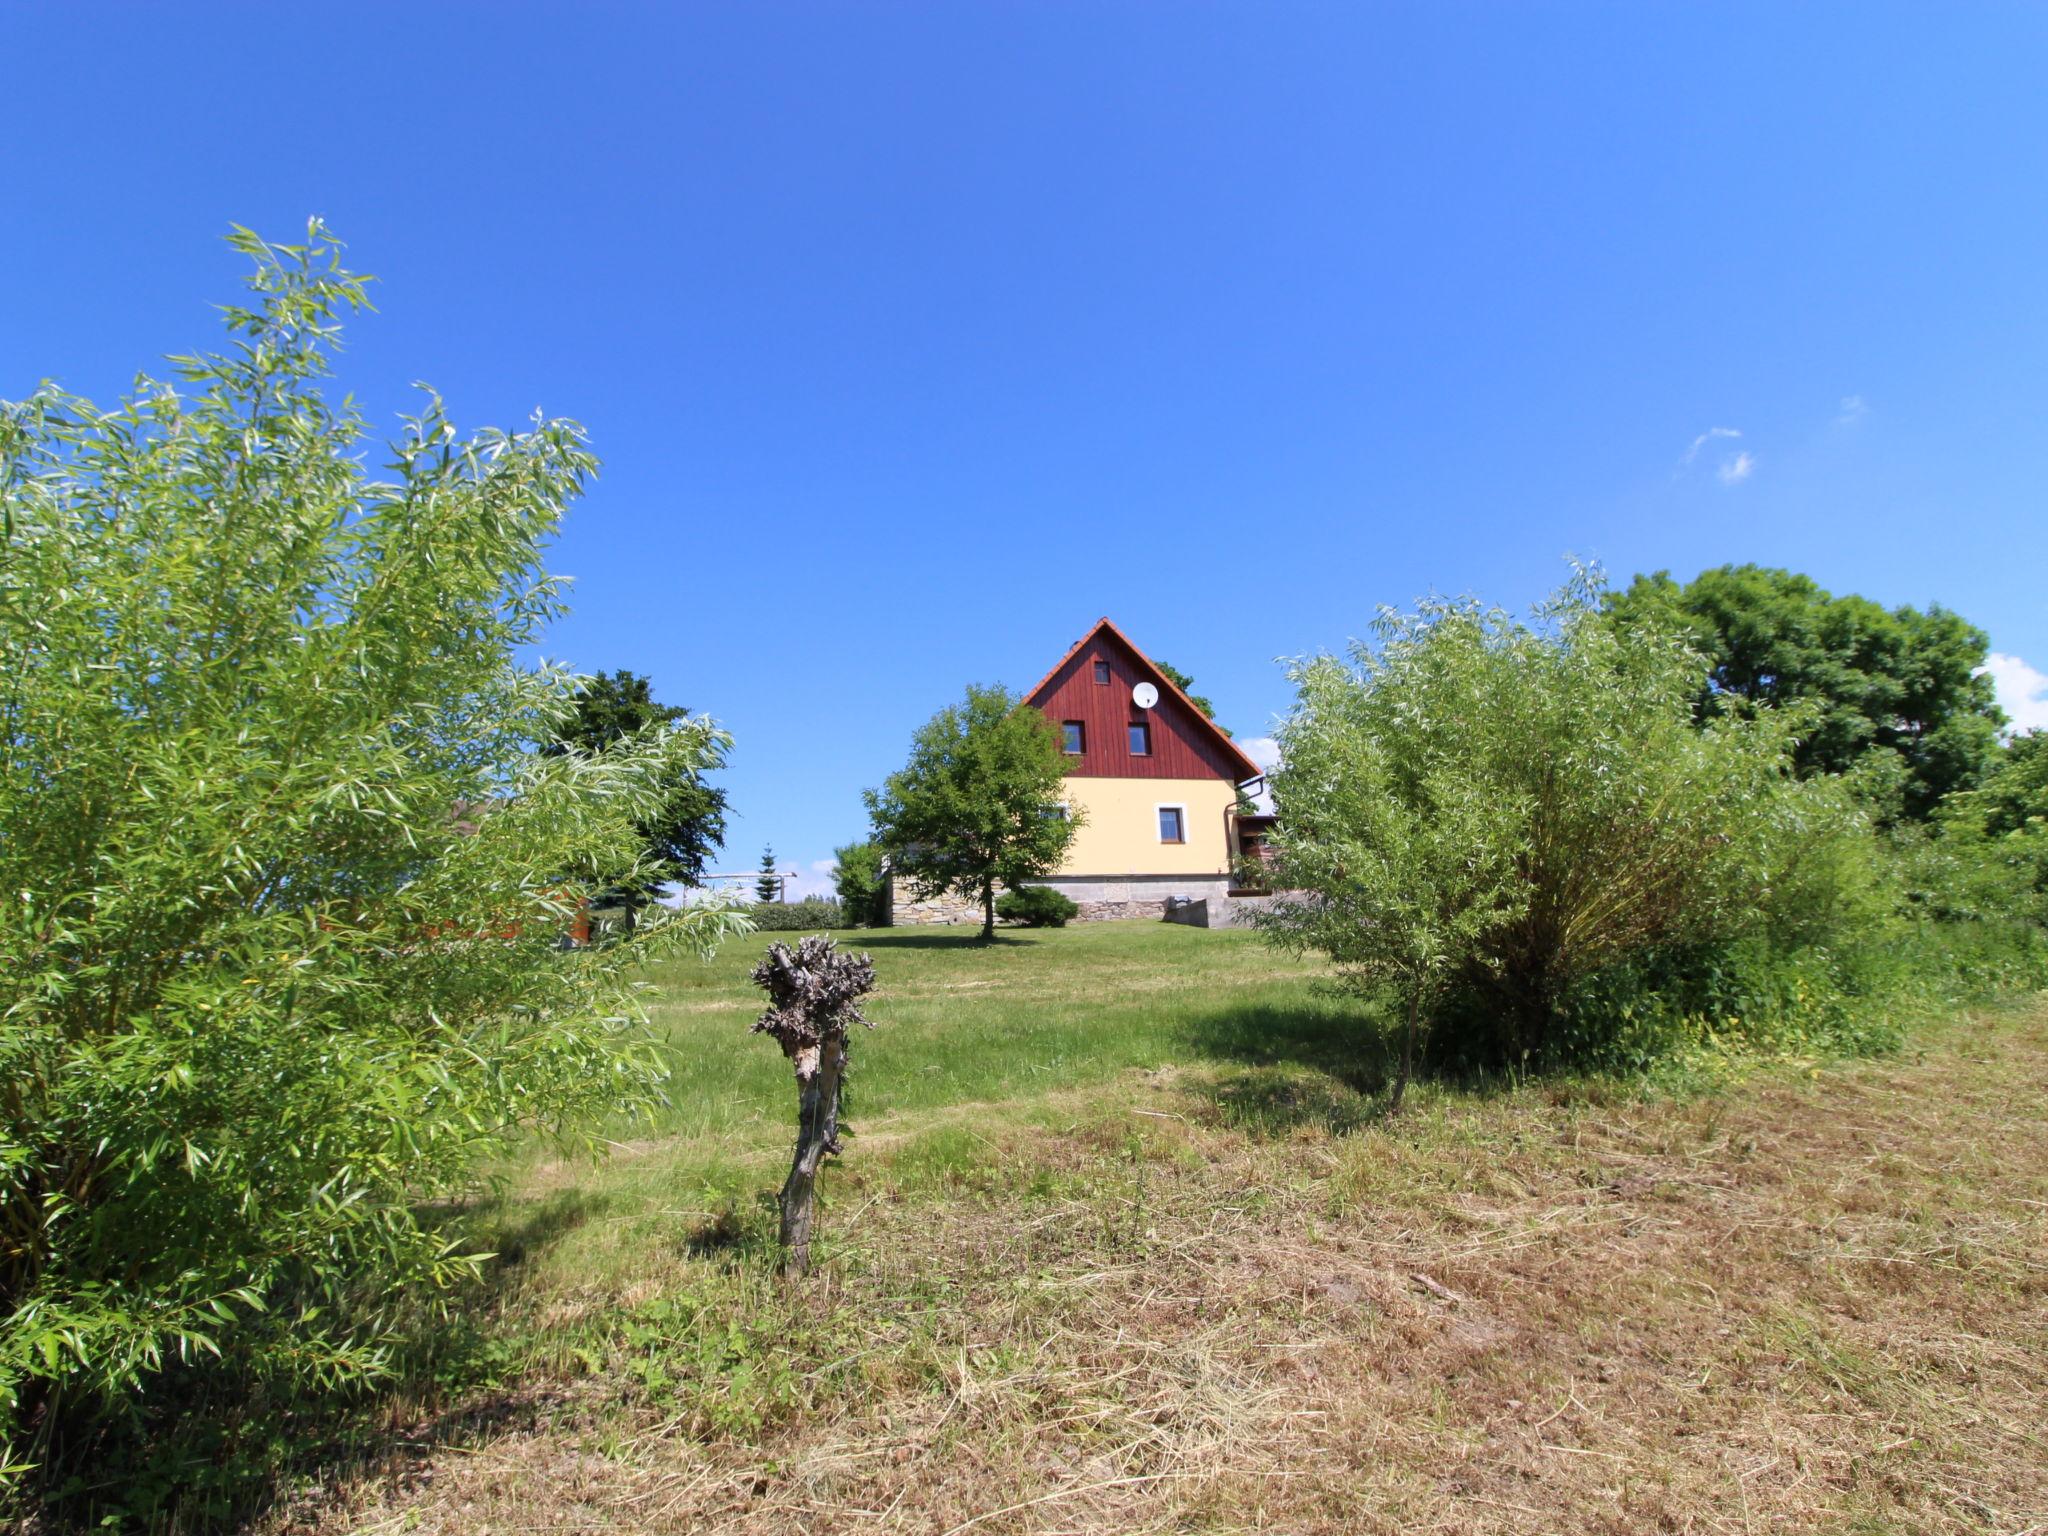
1407	1053
988	913
817	1137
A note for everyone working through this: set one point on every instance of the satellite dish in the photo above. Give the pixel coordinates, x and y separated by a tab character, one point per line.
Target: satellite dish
1144	695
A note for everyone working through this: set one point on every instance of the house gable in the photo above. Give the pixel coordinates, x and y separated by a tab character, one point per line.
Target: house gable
1184	742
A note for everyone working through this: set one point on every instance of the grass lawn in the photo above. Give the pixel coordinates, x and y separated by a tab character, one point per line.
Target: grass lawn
1120	1245
959	1022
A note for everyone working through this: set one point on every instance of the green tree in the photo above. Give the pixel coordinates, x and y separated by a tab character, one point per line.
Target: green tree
978	804
279	960
857	876
768	885
690	824
1896	694
1501	809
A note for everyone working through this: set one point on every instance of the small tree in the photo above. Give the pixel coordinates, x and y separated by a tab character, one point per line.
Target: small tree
857	877
769	884
814	995
689	825
978	804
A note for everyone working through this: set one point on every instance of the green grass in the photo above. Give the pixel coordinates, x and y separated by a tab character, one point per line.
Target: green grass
1123	1241
959	1022
970	1042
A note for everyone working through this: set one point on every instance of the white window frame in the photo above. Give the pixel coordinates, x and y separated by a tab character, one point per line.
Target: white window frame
1171	805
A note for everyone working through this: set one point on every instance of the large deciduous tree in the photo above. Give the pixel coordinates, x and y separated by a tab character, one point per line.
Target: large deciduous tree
285	879
978	804
689	825
1898	695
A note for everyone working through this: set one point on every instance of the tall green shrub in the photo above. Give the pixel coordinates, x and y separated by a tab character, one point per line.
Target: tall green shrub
1503	810
857	876
286	884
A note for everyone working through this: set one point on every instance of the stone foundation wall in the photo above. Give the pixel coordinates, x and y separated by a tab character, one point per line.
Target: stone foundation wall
906	911
1123	899
1221	912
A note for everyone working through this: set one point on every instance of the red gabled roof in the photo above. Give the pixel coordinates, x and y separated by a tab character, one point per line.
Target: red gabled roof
1166	685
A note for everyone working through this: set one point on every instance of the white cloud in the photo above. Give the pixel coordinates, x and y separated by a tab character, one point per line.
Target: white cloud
1703	439
814	879
1734	471
1854	408
2022	691
1263	750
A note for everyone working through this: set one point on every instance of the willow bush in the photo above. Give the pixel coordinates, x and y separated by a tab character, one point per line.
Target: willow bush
1481	816
286	884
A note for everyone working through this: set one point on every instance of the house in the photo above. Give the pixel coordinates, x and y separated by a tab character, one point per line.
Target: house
1155	782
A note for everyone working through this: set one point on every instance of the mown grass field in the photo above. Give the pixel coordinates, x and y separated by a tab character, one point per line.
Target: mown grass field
1120	1245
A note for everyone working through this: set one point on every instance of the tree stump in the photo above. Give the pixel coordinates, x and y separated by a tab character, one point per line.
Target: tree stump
814	994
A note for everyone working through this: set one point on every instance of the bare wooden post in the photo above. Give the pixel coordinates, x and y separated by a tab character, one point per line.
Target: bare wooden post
814	996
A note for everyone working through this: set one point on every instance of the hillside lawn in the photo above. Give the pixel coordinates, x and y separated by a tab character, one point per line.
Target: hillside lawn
1121	1244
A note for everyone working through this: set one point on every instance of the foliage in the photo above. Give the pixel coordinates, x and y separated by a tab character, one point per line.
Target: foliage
1898	682
285	880
1251	875
1506	811
690	824
978	804
1037	906
1186	685
768	887
1984	855
858	876
2014	793
812	912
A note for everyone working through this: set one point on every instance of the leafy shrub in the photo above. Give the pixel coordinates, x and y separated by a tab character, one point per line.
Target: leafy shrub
1036	906
279	961
812	913
1955	872
1492	818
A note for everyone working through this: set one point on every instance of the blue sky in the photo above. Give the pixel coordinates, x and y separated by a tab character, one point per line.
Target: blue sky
915	338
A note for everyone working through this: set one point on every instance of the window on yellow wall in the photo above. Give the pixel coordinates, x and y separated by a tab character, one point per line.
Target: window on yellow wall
1172	824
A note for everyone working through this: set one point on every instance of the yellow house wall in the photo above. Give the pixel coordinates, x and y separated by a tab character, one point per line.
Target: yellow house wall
1119	833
